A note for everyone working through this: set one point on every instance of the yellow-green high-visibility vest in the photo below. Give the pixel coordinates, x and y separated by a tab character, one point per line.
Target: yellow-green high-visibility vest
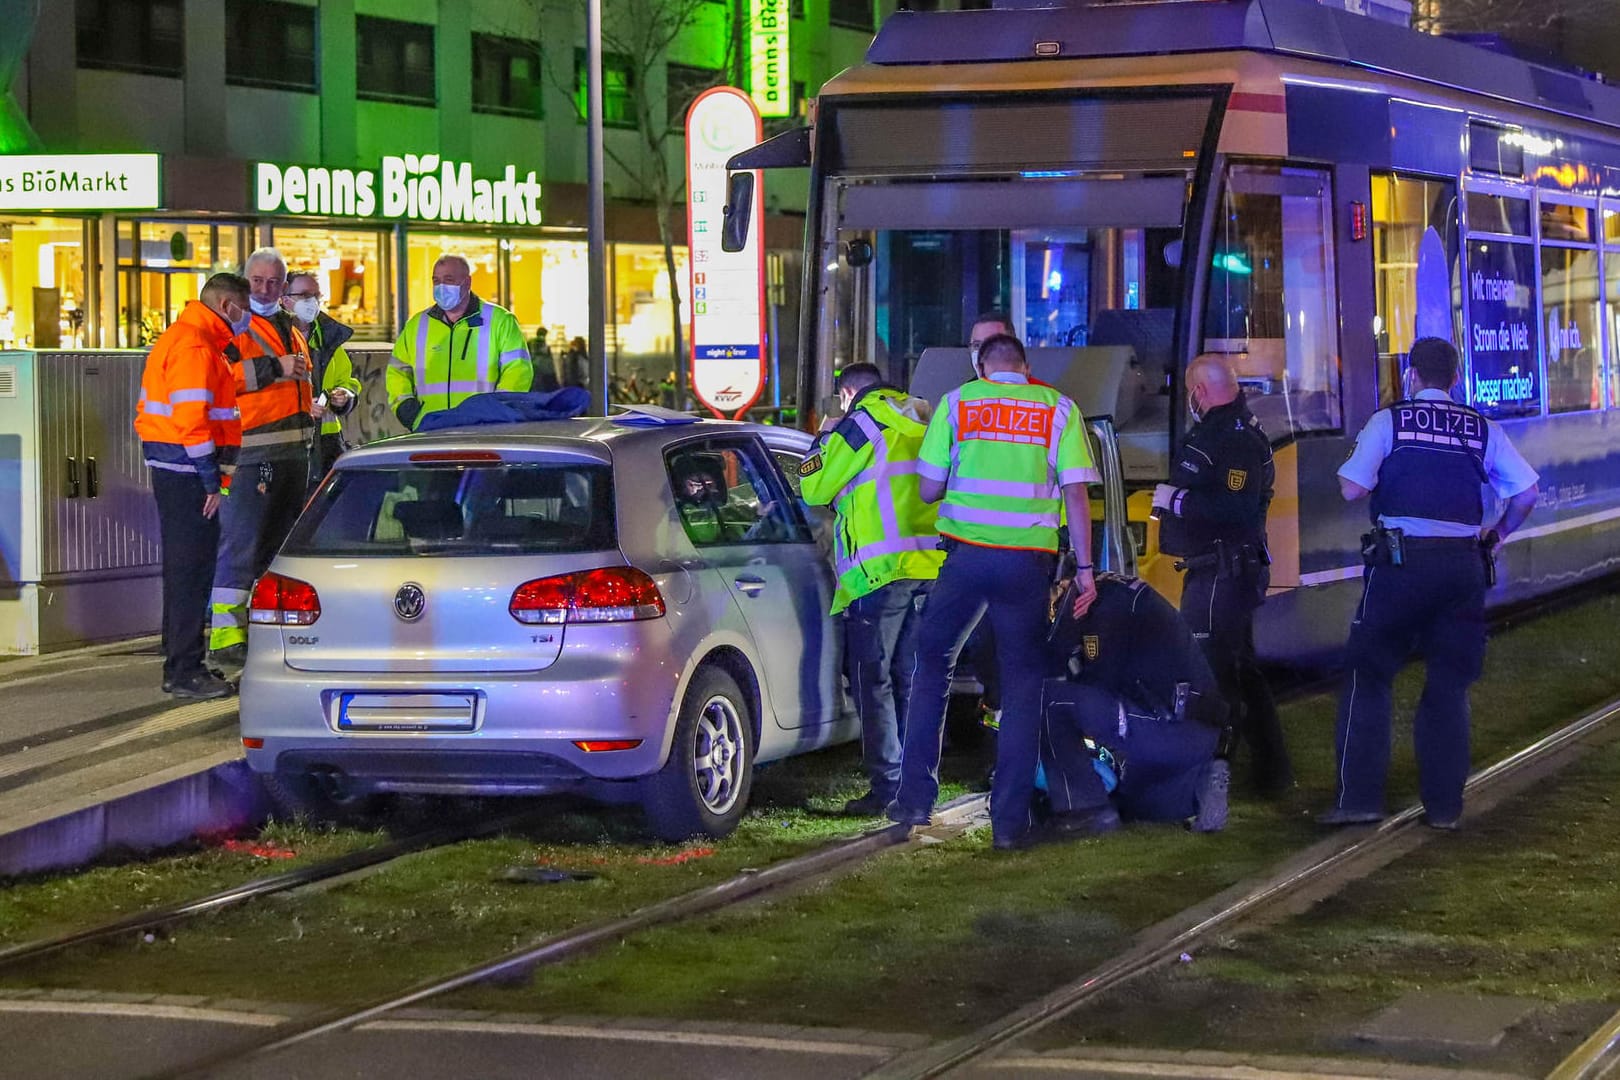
439	365
1005	447
866	468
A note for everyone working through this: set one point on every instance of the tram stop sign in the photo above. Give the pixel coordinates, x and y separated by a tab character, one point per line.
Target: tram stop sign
726	288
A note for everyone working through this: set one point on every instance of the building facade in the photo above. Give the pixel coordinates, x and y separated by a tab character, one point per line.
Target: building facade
364	138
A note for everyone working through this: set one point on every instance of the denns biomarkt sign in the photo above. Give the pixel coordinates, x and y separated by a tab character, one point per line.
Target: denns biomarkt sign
419	187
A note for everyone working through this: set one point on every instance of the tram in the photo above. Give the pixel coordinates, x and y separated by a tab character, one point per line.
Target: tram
1302	189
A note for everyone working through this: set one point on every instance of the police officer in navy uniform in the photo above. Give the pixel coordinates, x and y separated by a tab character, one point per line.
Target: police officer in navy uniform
1133	681
1212	514
1425	462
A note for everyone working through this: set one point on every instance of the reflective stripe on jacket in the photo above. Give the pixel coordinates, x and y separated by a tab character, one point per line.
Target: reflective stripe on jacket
866	468
276	420
438	365
1005	448
186	416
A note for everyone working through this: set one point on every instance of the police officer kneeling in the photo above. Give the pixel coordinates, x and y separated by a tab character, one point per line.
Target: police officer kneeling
1423	461
1137	685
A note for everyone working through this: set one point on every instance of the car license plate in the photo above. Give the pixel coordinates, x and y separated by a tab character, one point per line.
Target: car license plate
407	712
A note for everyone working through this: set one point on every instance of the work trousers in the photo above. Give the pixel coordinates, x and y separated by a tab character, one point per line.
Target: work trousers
1161	760
1219	609
1433	605
190	543
881	633
265	500
1012	587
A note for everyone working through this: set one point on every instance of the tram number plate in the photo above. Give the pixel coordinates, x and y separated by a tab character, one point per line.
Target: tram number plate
407	712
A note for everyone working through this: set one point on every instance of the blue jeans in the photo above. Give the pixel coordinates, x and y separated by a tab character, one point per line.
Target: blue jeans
881	631
1012	587
1434	604
1162	759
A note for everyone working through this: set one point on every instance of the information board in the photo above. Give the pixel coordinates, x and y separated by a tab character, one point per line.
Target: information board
727	288
1503	330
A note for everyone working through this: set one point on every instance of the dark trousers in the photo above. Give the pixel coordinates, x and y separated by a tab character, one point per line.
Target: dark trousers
1433	605
1220	611
1011	586
881	632
264	502
190	542
1162	759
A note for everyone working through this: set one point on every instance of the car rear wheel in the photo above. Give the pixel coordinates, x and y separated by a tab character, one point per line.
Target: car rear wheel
319	798
702	790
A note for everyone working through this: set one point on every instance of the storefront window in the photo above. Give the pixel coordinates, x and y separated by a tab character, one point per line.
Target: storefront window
547	284
42	297
483	252
162	265
352	265
643	334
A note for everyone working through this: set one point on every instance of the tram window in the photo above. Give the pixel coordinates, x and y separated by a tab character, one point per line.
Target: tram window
1502	214
1569	310
1611	226
1503	332
1611	274
1415	270
1561	221
1272	306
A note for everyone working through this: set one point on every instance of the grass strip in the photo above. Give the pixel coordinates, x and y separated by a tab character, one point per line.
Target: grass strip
940	939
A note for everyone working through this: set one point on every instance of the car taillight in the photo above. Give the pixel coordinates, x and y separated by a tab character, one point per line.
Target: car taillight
283	601
611	594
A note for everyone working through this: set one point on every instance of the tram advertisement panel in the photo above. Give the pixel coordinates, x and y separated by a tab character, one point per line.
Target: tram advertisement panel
1503	328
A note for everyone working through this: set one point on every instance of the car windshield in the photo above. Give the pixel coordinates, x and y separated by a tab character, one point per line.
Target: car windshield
459	510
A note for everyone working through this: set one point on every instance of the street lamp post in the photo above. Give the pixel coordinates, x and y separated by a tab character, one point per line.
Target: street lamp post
596	218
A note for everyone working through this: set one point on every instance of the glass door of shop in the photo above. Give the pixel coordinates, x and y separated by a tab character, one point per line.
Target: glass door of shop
163	264
43	299
355	270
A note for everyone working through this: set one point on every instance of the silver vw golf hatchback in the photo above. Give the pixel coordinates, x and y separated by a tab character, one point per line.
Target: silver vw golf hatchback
632	608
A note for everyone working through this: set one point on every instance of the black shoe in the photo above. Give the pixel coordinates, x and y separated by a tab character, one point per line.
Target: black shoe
168	683
1022	842
1444	824
1340	815
906	815
869	805
230	656
202	686
1095	822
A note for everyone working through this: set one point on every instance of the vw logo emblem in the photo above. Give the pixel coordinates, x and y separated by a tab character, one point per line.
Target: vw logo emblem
410	601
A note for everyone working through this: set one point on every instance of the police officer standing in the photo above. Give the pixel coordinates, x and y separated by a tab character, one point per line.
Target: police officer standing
1005	455
1212	514
1423	461
461	346
1135	683
886	555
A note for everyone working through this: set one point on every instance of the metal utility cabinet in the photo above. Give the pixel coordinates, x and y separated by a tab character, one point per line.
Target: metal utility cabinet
80	559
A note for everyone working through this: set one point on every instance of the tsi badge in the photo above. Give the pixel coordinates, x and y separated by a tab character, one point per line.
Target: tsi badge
410	601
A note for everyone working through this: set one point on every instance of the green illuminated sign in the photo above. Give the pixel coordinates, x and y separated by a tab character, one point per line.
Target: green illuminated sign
422	188
768	82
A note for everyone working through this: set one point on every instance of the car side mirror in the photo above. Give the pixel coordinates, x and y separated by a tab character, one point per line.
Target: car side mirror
739	206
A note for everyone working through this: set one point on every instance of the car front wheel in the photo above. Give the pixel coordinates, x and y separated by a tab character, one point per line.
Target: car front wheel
702	790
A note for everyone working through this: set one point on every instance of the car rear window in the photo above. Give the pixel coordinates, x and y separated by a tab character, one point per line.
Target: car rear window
459	510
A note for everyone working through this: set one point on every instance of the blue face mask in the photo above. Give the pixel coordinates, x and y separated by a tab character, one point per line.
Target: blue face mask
448	297
240	326
265	308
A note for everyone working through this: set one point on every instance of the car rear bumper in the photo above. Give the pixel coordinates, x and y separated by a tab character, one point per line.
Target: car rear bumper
525	734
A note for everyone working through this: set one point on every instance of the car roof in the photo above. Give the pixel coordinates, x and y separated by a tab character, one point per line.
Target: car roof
593	438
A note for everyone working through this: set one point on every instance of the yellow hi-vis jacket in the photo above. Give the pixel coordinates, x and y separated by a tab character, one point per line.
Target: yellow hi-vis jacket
1005	448
866	467
437	365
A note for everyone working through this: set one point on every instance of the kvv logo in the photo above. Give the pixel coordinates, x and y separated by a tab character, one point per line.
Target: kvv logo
423	188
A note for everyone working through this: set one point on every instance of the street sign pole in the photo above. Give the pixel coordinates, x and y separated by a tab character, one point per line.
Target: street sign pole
596	217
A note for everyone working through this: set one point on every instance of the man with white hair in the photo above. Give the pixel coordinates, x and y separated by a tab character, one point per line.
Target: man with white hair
461	346
270	363
1212	514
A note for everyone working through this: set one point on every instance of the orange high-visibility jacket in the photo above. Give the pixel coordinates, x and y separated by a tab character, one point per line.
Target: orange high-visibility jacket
186	416
276	420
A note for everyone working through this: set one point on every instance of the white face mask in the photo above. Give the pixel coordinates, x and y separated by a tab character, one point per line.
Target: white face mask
306	308
1192	407
1409	384
448	297
266	308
